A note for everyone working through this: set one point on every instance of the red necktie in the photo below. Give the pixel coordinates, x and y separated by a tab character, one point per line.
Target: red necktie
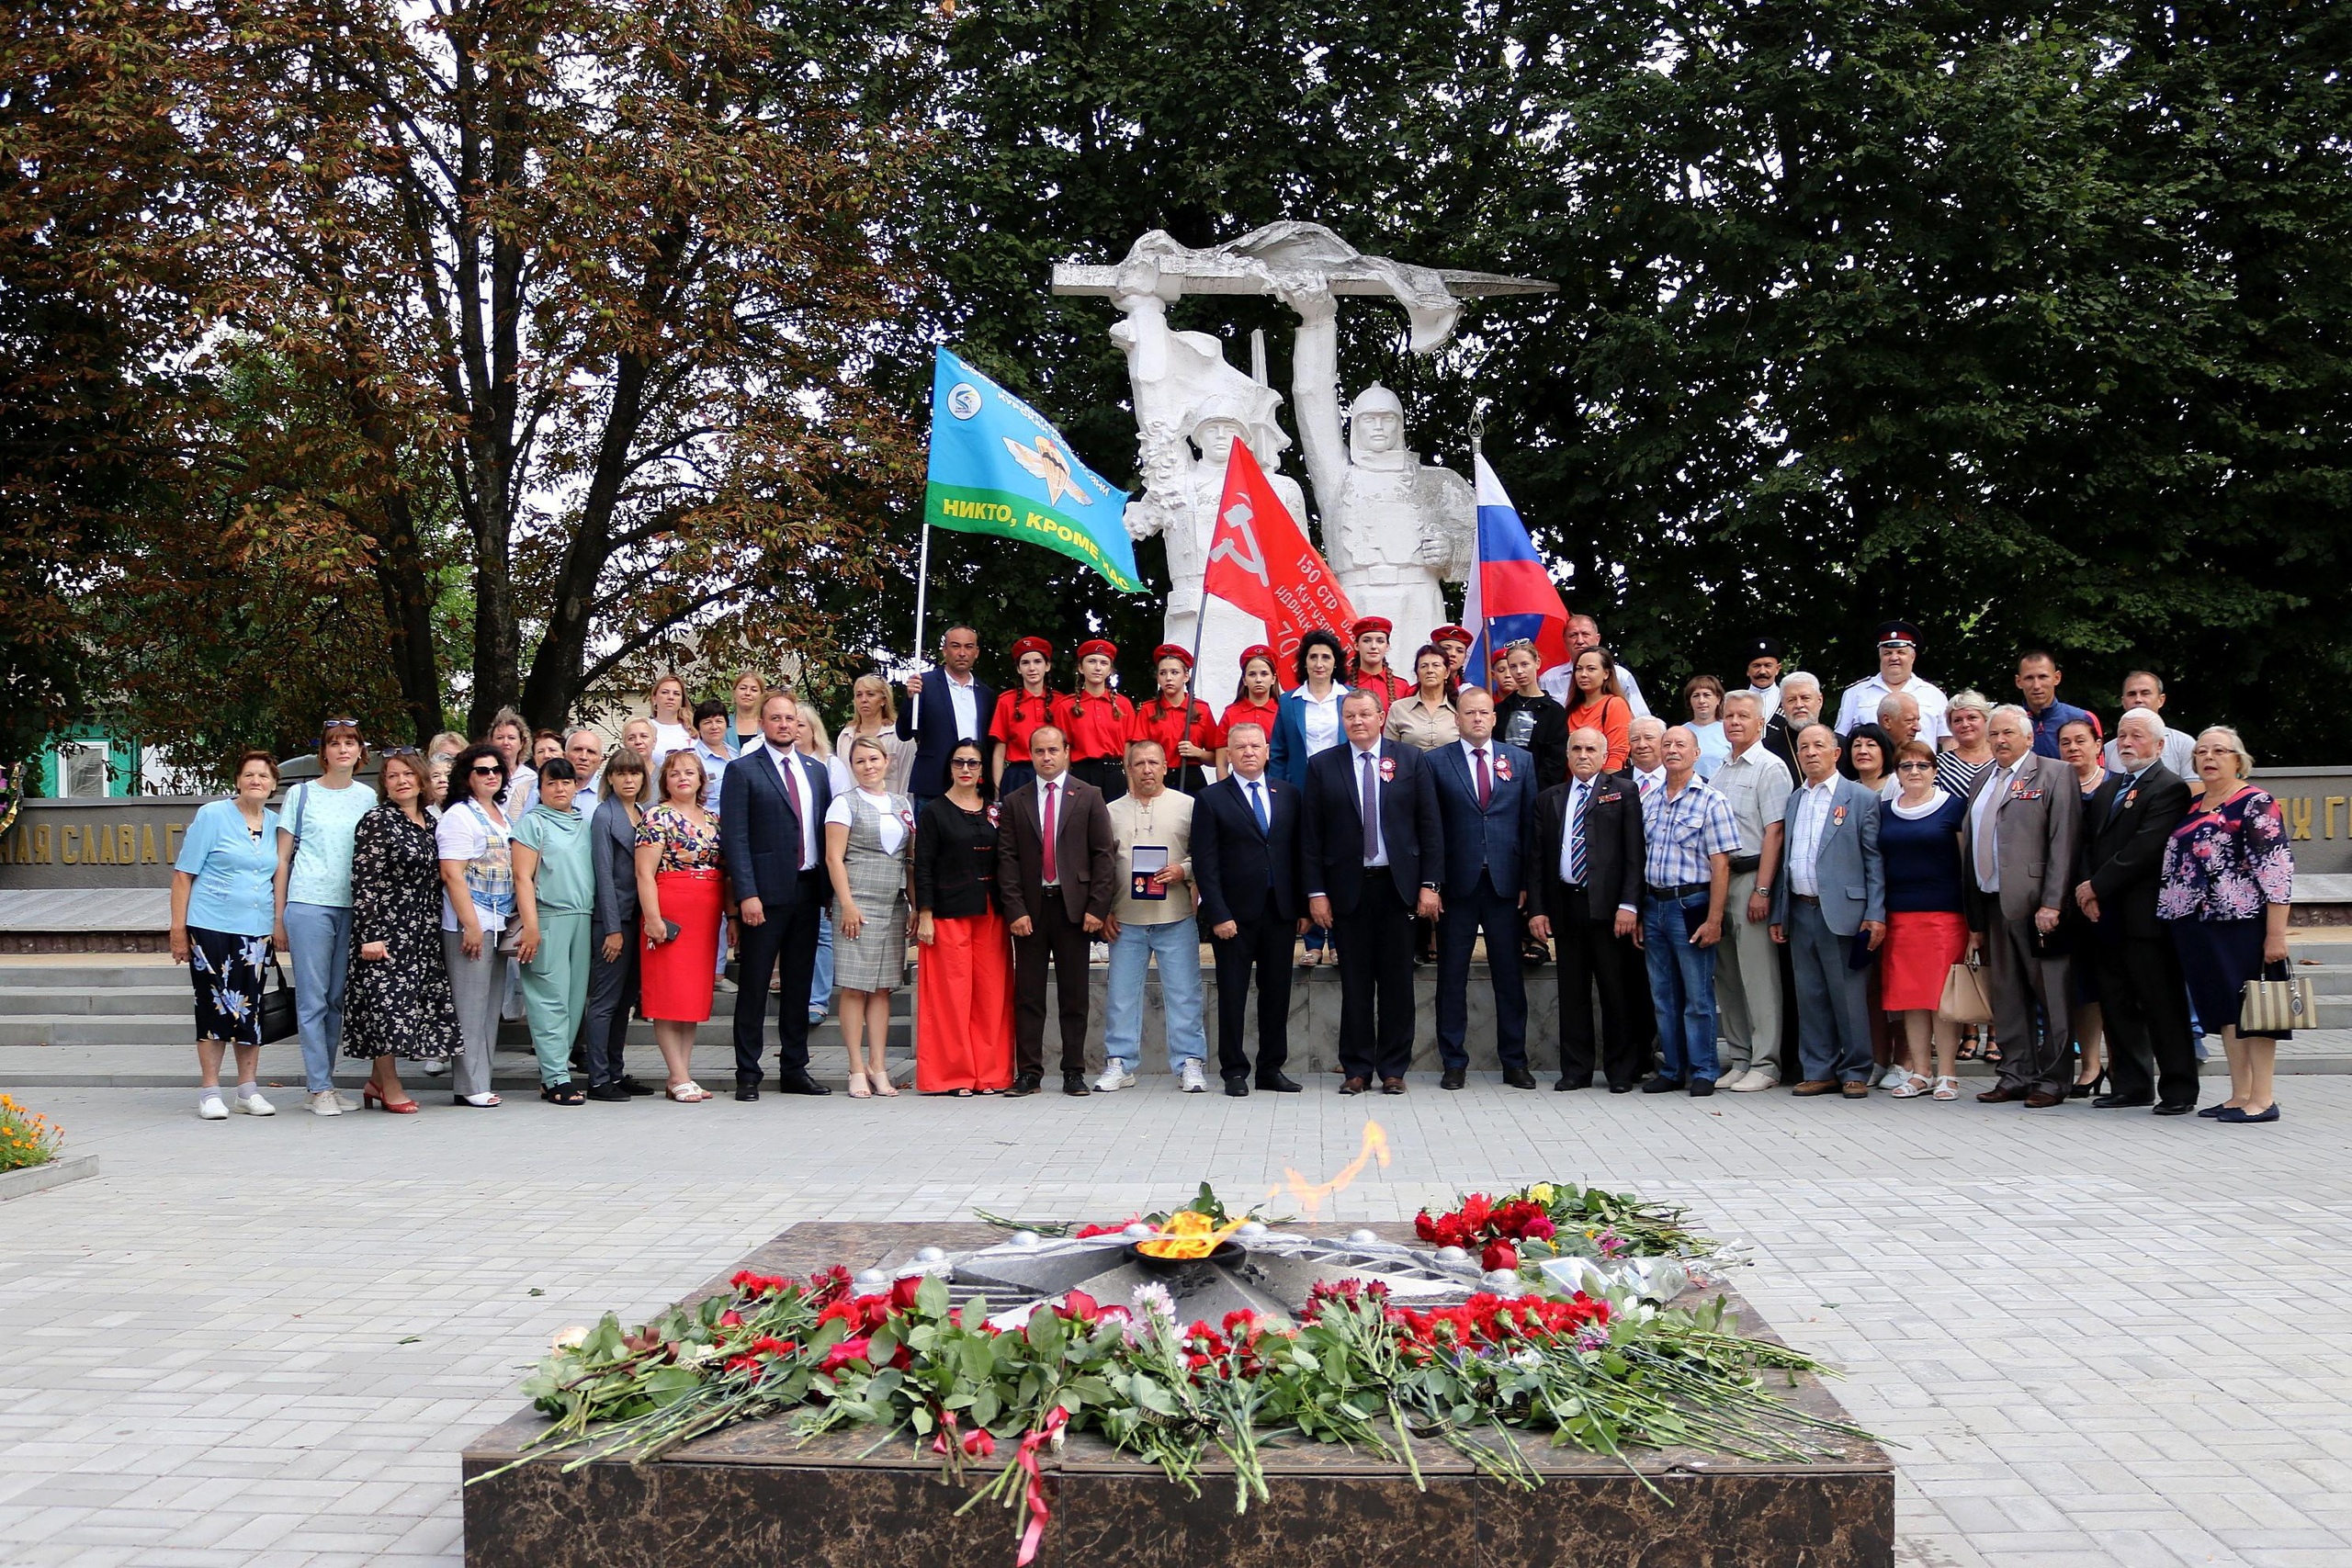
1053	867
799	813
1486	784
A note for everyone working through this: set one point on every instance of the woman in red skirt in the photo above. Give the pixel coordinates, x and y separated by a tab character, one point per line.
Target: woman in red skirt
1024	710
680	891
1096	718
1180	722
1254	699
964	967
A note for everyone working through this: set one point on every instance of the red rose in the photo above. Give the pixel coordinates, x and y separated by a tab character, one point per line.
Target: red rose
846	1352
902	1292
978	1444
1498	1255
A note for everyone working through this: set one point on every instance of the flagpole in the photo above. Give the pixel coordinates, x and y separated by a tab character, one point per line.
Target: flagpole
1479	535
922	581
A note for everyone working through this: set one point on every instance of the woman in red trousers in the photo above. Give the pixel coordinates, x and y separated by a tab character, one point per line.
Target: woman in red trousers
964	970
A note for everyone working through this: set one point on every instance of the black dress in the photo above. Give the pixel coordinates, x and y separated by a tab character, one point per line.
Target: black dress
398	1005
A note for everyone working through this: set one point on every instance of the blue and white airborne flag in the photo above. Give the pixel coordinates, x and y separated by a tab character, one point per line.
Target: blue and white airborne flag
996	468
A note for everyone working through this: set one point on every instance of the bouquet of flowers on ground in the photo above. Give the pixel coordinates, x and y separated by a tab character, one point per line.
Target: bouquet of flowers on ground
1557	1219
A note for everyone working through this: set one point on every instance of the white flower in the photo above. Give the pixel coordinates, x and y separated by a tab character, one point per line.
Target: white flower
568	1339
1527	1360
1152	1300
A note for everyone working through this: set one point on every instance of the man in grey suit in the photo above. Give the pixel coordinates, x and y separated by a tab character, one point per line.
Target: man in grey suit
1832	887
2017	850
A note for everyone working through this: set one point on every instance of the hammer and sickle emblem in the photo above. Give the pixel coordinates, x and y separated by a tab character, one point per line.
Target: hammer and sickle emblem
1240	546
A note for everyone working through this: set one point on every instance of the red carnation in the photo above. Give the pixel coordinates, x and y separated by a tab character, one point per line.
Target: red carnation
846	1352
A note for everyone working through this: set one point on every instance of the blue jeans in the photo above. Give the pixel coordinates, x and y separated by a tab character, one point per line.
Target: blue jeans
821	982
1178	947
1682	984
319	937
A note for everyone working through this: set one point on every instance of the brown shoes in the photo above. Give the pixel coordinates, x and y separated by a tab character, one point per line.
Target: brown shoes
1814	1087
1354	1086
1999	1096
2041	1100
1854	1089
1392	1086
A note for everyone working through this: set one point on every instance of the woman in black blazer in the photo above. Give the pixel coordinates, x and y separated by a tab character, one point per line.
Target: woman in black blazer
612	953
964	967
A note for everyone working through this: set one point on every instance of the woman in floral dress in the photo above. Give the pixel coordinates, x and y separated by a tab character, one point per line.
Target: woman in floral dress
398	1002
2228	879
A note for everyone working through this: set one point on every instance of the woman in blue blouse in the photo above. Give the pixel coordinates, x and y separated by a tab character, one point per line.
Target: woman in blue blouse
2228	881
1918	835
1306	721
223	905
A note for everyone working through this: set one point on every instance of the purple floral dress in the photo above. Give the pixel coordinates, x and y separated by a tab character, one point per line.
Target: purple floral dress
2228	864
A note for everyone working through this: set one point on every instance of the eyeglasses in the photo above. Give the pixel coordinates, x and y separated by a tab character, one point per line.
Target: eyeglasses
1915	766
963	761
487	770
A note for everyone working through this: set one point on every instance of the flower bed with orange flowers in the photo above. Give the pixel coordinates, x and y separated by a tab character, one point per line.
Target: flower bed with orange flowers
27	1138
1482	1378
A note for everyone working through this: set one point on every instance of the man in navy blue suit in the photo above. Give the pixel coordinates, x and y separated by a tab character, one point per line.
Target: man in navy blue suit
944	704
1371	852
1485	798
1245	867
772	802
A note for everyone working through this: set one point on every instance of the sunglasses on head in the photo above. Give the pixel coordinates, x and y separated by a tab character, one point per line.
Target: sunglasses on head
398	752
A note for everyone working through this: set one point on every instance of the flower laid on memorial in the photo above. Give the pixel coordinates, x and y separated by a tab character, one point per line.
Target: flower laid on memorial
27	1138
1561	1219
1357	1367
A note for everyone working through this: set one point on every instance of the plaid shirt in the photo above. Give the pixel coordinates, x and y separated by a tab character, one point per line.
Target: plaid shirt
1683	831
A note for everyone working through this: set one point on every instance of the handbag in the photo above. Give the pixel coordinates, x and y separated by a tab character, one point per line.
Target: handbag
2276	1005
1965	1000
277	1018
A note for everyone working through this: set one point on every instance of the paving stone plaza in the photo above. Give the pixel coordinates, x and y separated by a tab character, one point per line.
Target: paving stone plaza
2089	1338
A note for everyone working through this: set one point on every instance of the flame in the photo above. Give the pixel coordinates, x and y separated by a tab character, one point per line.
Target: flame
1189	1235
1310	1194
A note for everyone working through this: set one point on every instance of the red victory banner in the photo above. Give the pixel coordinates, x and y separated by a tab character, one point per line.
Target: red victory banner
1259	561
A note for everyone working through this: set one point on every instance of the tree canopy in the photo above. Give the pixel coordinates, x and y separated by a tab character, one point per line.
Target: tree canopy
564	336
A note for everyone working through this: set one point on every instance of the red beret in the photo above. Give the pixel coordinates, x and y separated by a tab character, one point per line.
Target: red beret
1033	645
1096	645
1256	650
1170	650
1452	634
1371	624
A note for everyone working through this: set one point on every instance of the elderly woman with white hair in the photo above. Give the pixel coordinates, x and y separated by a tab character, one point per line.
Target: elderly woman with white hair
2228	881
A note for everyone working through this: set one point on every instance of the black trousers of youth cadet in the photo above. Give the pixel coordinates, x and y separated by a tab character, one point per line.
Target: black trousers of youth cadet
1593	958
1054	938
1375	943
1263	943
789	943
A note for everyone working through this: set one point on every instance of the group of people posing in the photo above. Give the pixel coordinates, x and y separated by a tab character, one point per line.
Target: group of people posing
1751	896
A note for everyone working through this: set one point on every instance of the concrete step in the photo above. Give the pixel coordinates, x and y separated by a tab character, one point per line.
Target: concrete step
112	1001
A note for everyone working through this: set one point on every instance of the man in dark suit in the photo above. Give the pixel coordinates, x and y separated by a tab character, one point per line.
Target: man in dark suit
944	704
1583	894
2151	1059
772	802
1057	869
1371	852
1245	867
1485	798
2016	848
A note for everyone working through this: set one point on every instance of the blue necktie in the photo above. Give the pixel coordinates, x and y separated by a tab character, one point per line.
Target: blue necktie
1576	837
1258	804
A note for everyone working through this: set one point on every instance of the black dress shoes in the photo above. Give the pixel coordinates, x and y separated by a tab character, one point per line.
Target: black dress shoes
1277	1084
1702	1088
2175	1106
1026	1083
609	1093
1453	1078
745	1089
1662	1085
632	1086
1519	1078
1568	1083
1238	1087
2118	1102
799	1083
1622	1088
1074	1086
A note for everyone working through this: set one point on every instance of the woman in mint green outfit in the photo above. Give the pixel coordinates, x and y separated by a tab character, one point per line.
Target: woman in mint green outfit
555	892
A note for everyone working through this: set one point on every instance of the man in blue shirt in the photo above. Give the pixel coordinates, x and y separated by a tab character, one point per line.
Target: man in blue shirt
2037	678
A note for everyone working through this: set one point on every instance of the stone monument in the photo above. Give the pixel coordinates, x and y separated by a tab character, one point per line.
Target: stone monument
1394	529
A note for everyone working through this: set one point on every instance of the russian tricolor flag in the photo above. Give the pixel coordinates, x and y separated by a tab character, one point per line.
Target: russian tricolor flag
1510	594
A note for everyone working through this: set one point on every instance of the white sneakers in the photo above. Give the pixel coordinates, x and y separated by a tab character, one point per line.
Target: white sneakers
1115	1076
326	1102
1193	1080
254	1105
210	1108
1752	1080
